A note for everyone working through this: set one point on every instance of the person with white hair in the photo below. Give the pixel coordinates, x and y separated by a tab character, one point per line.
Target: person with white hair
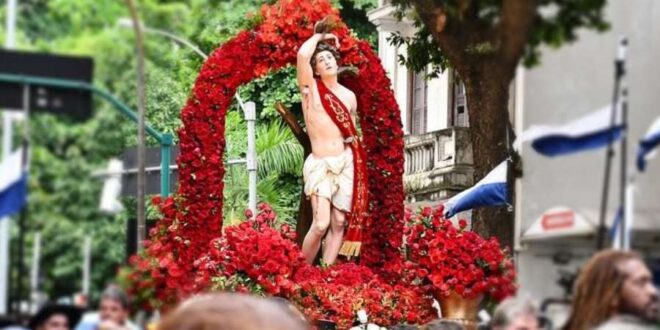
515	314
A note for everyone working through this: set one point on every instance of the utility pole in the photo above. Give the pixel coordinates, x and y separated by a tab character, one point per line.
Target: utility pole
251	116
623	188
87	265
141	149
619	73
34	274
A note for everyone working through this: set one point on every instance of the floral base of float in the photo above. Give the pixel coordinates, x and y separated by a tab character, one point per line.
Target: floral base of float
258	257
188	251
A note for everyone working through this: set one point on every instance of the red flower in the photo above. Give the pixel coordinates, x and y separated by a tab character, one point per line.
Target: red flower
452	259
462	224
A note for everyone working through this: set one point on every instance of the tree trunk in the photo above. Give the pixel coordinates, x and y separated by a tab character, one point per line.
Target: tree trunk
304	219
487	75
487	101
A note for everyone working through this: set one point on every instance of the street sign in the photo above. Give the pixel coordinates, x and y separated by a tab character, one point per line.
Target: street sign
152	164
75	104
559	222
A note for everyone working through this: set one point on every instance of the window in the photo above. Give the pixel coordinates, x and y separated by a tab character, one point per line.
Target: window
417	112
458	111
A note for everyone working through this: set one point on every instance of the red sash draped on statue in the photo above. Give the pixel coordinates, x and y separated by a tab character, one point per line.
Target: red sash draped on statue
356	218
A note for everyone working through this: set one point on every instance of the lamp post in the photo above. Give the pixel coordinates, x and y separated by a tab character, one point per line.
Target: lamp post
7	123
141	148
127	23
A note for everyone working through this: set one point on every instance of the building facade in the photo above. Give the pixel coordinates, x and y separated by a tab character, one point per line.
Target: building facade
438	154
570	82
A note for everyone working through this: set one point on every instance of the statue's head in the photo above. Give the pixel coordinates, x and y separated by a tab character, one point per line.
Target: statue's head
325	60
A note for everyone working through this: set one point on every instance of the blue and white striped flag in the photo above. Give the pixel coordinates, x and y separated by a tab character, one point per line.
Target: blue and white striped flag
591	131
650	141
492	190
615	230
13	184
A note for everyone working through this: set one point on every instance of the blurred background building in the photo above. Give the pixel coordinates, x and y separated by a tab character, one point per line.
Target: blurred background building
570	82
438	154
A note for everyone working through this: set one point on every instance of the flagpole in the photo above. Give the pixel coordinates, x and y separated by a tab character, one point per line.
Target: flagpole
22	219
629	211
624	169
619	72
5	223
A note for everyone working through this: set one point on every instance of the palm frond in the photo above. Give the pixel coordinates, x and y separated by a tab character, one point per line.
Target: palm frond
278	151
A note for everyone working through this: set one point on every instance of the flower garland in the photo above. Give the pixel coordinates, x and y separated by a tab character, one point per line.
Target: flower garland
193	217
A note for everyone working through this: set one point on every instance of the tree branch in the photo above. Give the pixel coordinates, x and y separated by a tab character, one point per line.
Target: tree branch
434	17
458	35
514	29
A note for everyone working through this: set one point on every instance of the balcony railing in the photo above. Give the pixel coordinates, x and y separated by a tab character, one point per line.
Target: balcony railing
437	164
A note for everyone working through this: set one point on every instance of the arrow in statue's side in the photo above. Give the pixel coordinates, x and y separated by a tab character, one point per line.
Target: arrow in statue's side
492	190
650	141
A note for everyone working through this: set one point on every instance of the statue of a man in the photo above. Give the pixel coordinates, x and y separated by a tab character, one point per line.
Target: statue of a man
335	172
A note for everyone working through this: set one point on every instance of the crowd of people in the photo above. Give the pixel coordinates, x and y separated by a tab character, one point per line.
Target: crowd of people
614	291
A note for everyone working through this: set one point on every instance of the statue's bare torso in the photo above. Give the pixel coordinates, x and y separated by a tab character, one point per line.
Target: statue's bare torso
324	134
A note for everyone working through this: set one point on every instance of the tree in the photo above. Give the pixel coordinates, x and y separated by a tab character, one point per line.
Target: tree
484	41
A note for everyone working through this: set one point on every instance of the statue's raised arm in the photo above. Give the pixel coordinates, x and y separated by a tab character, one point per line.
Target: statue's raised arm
305	58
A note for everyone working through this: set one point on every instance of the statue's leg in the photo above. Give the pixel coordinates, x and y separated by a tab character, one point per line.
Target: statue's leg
320	224
335	236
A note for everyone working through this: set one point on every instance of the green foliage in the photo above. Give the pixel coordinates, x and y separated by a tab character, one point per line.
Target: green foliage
354	14
421	51
556	22
560	24
279	157
278	150
63	202
280	86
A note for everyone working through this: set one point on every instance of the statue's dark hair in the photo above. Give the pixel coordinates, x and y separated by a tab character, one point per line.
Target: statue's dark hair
321	47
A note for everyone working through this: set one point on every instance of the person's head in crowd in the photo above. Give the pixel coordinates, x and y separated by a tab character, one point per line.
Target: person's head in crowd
613	283
231	311
55	317
404	327
292	308
7	322
515	314
114	305
442	325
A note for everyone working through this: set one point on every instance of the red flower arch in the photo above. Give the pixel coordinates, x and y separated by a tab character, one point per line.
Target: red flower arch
193	218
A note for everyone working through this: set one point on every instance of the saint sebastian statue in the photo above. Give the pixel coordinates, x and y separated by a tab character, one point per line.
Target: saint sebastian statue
335	172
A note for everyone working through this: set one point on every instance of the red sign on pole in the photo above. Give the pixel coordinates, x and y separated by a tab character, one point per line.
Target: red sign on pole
558	220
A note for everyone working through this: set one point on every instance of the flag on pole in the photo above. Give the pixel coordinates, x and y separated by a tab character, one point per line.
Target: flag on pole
615	231
588	132
13	184
492	190
650	141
